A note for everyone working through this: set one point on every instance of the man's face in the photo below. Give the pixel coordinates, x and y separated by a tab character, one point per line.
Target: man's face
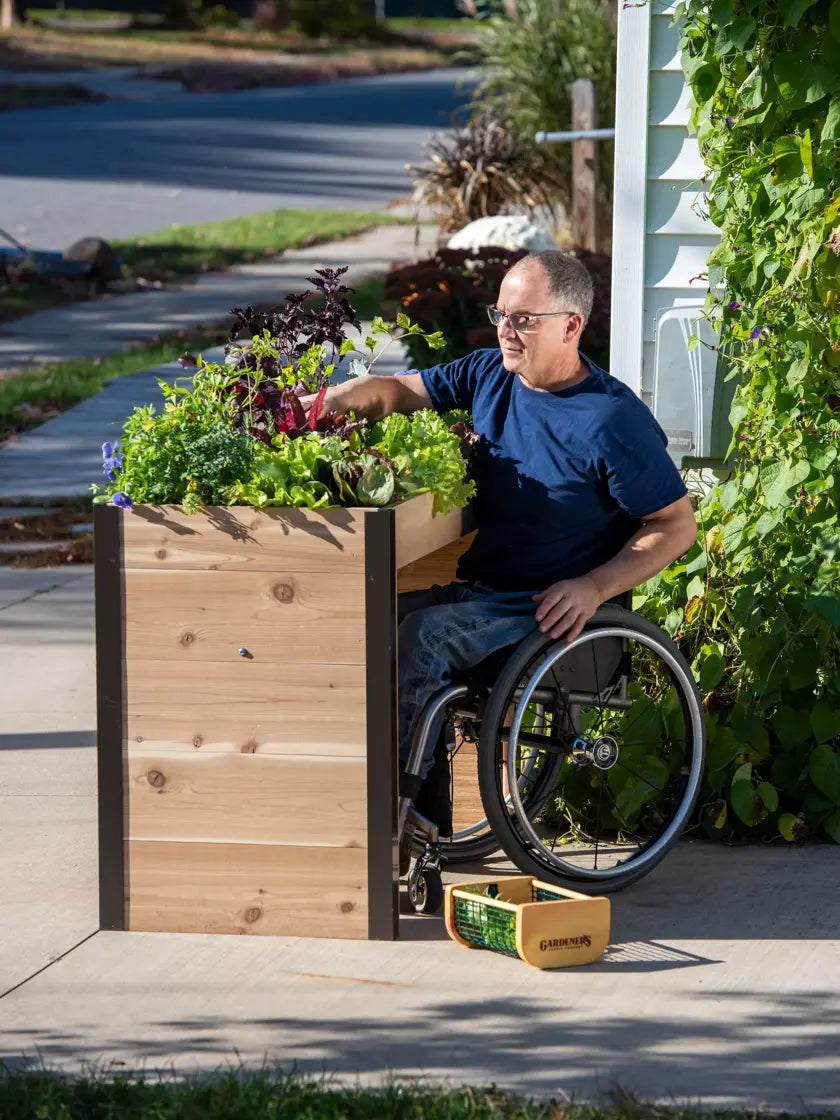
534	353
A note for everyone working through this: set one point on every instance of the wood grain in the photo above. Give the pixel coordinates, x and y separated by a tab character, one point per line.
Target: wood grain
246	706
238	537
438	567
246	799
467	808
247	889
276	616
419	530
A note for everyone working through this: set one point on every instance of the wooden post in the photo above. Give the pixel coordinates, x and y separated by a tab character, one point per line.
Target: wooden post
584	166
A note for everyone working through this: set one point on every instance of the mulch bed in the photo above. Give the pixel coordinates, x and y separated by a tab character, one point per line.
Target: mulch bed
50	540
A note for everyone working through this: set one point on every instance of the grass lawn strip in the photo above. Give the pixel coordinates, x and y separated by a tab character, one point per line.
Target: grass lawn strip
182	251
239	1096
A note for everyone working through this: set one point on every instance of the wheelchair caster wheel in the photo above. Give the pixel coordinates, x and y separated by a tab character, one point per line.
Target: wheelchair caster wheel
425	891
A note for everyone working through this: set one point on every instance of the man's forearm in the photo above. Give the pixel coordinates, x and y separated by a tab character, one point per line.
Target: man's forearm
371	397
647	552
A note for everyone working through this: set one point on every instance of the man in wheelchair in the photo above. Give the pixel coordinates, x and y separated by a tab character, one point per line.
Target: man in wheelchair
577	499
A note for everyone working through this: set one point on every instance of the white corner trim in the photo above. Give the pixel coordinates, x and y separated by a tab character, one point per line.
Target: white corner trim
630	194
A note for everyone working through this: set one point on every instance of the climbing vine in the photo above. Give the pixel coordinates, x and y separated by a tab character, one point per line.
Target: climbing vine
756	602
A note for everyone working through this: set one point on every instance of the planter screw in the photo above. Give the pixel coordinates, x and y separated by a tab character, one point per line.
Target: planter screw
243	652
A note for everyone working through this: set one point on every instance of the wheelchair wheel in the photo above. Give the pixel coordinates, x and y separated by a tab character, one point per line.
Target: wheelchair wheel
626	732
473	837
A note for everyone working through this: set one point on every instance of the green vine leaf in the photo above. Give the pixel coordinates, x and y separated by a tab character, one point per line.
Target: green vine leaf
793	10
824	769
825	722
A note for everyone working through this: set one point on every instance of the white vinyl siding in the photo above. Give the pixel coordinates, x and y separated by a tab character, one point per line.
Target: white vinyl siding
660	241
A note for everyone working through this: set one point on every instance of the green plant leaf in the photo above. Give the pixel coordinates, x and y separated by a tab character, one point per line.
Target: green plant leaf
712	671
834	19
826	605
792	10
769	795
801	81
831	824
791	827
825	722
376	486
824	770
791	727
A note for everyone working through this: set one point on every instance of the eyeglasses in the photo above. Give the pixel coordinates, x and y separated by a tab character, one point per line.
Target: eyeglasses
522	321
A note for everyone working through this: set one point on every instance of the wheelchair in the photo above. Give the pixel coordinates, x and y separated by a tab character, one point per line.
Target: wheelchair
590	756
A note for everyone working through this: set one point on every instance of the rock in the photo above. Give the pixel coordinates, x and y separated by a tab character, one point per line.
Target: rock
98	253
508	231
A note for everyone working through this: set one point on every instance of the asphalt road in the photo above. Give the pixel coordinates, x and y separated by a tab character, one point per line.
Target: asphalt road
124	168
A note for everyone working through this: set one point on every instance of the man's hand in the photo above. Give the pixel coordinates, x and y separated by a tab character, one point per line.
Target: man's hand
566	607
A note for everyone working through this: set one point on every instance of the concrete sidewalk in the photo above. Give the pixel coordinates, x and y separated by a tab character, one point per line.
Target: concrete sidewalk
722	983
60	459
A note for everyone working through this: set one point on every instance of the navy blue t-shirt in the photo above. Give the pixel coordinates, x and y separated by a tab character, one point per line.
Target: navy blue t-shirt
562	478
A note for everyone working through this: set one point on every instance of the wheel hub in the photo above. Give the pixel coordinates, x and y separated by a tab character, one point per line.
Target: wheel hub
602	752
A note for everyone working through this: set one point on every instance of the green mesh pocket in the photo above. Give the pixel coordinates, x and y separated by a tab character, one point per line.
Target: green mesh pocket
543	894
481	923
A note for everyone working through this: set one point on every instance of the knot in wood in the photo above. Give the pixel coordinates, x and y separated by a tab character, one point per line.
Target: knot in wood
253	914
249	747
156	778
160	554
283	592
197	741
187	638
346	907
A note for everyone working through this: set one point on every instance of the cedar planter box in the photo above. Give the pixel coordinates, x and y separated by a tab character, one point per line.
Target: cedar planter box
246	664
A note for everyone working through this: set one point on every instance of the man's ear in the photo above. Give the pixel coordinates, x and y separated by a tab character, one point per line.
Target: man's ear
574	327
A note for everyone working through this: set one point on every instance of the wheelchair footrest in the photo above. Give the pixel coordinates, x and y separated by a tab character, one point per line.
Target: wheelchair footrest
544	925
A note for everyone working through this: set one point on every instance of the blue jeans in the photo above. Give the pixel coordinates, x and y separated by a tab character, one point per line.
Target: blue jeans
443	633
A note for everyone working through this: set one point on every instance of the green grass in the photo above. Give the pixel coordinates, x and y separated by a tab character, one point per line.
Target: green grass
253	1097
29	399
209	246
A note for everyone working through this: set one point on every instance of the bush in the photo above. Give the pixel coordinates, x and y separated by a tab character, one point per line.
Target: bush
450	292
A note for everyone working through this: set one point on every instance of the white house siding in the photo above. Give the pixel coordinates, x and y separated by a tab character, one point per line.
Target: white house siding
659	240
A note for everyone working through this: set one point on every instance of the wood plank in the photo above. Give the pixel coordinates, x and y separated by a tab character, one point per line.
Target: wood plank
246	799
467	808
211	615
246	888
247	706
239	537
419	530
438	567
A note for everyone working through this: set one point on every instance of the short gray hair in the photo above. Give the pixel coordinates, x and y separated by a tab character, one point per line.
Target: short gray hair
569	282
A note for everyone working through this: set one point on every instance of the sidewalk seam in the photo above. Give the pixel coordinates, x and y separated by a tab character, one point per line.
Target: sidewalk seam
42	591
49	964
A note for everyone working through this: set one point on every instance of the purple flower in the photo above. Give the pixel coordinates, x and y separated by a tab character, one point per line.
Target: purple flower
111	466
730	121
122	500
755	333
733	305
109	450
